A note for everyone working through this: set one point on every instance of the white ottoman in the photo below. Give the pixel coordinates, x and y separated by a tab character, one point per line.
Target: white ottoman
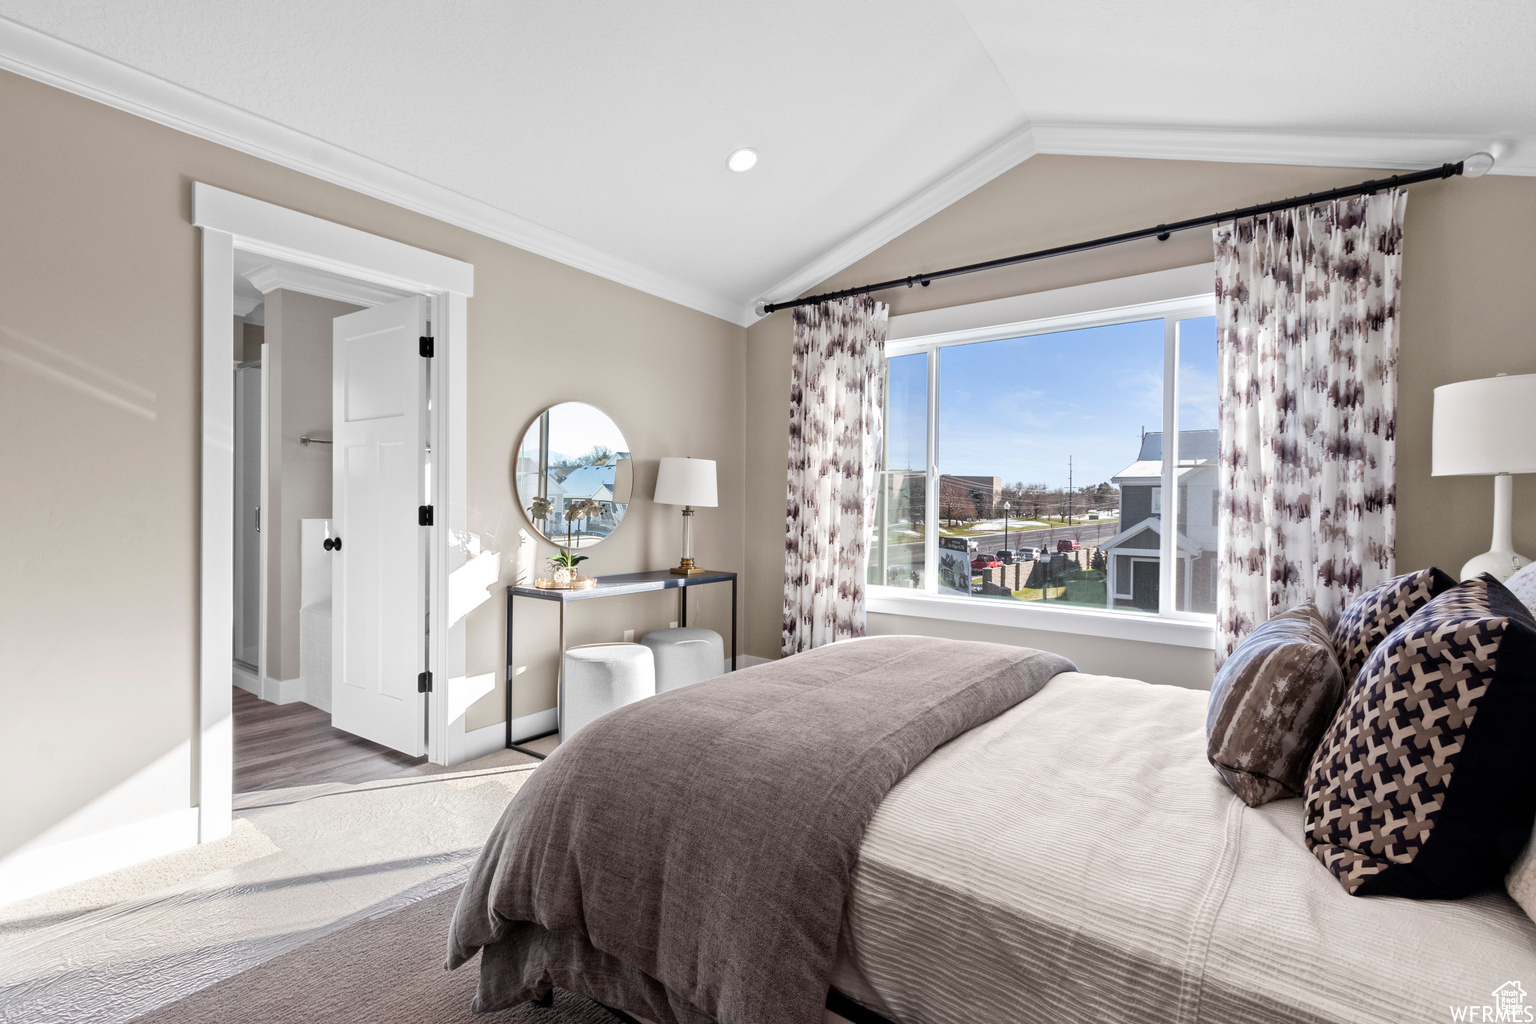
596	678
685	656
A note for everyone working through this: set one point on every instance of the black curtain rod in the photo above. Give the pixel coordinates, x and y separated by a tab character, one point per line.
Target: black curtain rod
1161	233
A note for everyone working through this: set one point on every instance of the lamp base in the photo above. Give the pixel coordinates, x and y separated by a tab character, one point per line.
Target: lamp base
688	569
1500	564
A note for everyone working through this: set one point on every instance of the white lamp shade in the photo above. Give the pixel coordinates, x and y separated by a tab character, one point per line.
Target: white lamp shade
686	482
1484	427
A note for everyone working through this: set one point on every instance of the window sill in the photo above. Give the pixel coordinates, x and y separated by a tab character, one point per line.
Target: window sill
1196	631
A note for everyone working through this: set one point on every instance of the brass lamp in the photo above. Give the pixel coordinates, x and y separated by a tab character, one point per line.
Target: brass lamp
686	482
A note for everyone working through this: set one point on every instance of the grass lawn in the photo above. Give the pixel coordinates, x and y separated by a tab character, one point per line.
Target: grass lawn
1039	593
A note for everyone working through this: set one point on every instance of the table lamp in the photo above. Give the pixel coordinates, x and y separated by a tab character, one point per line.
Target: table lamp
686	482
1488	428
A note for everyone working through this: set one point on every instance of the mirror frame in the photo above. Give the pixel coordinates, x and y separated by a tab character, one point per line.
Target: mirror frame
624	467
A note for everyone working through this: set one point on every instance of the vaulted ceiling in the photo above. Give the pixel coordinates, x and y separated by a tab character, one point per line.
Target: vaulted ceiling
597	132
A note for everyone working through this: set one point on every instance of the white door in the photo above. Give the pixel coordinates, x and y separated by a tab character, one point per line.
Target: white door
378	603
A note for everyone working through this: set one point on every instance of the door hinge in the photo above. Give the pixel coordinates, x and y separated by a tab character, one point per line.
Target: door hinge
424	515
424	682
426	346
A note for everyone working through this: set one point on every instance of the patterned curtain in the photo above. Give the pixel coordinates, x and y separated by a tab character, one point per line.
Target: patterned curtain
1307	336
836	403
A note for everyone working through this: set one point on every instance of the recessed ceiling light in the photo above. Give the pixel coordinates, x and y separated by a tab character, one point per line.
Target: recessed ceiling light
743	159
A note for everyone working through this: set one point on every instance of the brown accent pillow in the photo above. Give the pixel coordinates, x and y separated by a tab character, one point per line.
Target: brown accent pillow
1270	703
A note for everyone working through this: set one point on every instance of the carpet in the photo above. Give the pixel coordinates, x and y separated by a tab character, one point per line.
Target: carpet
380	971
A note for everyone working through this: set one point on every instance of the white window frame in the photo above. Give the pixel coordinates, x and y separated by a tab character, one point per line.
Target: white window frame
1173	295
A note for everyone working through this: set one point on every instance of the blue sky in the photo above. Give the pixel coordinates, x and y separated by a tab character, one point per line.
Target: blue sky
1017	408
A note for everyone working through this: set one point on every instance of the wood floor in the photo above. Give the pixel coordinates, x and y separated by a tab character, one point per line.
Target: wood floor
280	745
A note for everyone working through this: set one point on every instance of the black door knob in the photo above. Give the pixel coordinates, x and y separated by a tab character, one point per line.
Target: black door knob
331	544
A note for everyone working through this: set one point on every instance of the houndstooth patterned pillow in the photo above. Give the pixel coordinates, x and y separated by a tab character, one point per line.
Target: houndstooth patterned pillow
1380	610
1449	696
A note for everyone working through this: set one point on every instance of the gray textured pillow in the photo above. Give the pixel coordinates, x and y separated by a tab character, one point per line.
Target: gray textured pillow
1270	703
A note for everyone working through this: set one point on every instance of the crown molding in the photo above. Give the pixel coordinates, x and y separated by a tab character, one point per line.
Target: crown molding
52	61
245	305
1004	155
1512	154
269	277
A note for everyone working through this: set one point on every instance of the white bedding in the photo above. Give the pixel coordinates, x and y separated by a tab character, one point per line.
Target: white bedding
1077	859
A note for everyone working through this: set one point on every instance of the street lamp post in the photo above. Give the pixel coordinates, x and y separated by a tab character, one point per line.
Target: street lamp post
1007	506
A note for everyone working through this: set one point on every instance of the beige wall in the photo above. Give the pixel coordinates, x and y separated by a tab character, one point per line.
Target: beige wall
1469	300
298	336
251	337
99	441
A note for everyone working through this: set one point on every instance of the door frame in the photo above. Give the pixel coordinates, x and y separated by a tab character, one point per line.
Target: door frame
230	221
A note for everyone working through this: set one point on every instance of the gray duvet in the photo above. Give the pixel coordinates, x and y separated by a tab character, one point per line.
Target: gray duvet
687	858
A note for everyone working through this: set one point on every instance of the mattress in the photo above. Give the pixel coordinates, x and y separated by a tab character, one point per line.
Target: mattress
1077	859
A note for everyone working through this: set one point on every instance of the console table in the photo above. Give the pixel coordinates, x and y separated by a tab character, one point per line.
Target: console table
615	585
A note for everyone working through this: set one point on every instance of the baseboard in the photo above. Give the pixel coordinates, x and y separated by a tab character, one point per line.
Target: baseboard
246	679
31	872
277	691
283	691
527	726
491	738
479	742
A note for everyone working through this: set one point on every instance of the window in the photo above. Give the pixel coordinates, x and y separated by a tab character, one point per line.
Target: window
1028	464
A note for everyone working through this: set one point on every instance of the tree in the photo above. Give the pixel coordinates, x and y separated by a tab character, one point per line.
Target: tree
955	501
1098	562
1033	499
914	502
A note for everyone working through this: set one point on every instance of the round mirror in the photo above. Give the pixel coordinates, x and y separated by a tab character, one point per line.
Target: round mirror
574	475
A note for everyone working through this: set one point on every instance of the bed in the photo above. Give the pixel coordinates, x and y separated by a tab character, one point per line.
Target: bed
1075	858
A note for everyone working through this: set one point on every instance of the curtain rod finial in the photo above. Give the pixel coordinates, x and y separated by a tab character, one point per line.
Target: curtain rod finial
1477	165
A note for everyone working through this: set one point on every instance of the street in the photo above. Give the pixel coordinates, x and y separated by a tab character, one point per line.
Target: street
1089	535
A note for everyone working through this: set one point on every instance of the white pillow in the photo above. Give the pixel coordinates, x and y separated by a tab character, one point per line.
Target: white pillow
1523	585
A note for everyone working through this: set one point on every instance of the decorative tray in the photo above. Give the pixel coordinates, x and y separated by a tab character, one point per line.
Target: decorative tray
579	583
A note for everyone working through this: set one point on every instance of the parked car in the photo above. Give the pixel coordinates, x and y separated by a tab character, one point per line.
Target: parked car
1005	556
985	562
1068	545
1027	554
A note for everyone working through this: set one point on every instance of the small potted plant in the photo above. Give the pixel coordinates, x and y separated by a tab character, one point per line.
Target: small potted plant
564	567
